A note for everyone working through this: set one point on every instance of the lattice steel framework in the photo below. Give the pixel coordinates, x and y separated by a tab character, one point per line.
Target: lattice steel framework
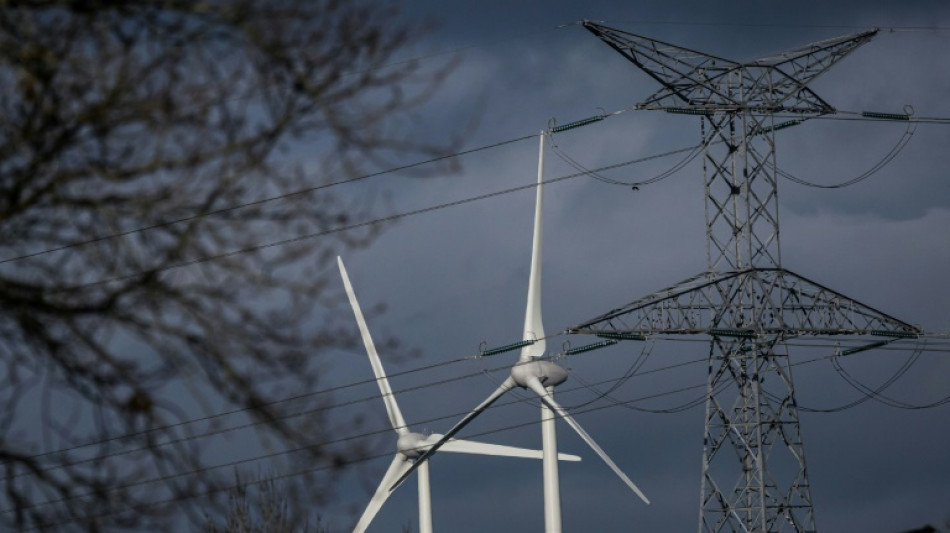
754	474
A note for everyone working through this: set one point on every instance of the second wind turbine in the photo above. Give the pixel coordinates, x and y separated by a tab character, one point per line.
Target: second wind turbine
540	376
409	444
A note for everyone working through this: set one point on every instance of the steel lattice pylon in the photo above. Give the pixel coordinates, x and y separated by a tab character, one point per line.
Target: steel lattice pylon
754	474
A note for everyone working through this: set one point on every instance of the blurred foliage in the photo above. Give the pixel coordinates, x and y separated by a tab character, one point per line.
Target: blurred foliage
137	140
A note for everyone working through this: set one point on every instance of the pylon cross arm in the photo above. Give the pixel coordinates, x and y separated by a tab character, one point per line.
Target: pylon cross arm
699	80
788	303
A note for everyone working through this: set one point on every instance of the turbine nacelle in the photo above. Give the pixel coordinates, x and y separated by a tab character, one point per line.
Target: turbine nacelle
545	372
413	445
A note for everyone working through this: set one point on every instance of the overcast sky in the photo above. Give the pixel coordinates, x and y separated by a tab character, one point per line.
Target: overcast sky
456	277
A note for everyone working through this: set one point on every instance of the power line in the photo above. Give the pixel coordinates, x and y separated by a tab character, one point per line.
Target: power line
596	174
635	371
265	200
167	427
335	441
613	403
839	342
931	346
901	143
855	116
213	432
851	116
219	431
350	462
311	411
339	229
326	443
893	29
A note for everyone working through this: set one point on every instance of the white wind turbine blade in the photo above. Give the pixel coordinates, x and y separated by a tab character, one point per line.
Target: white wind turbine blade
482	448
392	408
507	385
533	328
539	389
399	465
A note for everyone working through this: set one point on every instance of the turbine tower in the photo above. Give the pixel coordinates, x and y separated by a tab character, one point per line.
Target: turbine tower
410	445
754	476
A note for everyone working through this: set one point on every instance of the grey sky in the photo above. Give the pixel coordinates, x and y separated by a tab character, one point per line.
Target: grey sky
456	277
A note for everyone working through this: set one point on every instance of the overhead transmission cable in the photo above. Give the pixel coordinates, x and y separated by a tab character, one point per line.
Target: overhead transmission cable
907	117
653	22
856	116
308	411
631	371
845	115
927	347
613	402
345	462
615	383
167	427
867	392
339	229
877	393
228	429
596	173
635	370
262	201
901	143
831	342
169	477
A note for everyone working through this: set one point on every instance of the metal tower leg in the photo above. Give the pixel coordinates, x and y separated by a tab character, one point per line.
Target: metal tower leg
751	411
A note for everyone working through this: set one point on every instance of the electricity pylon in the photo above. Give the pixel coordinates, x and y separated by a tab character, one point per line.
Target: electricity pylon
754	476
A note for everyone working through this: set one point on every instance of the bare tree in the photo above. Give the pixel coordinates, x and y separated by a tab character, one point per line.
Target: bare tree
137	139
261	506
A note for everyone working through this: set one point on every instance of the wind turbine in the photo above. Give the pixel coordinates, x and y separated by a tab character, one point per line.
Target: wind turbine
410	446
540	376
